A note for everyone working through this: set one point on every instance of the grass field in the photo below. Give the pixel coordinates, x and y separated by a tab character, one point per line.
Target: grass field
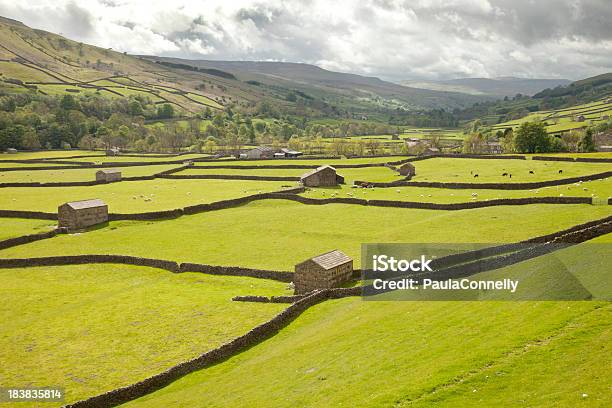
425	350
136	196
16	227
256	235
49	154
49	176
379	174
598	188
491	170
92	328
561	120
95	327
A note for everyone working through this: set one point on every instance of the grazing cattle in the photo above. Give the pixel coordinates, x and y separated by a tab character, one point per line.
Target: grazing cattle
510	175
504	175
475	175
530	171
560	171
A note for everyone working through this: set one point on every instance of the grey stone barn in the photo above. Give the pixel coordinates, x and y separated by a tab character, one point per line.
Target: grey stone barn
260	152
77	215
323	176
407	170
108	175
329	270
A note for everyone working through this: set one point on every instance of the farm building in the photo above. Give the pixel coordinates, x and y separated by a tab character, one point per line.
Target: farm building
494	148
430	151
108	175
77	215
260	152
580	118
322	177
113	151
329	270
407	169
288	153
10	150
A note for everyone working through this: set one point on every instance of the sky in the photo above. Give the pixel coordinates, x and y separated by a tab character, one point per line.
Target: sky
391	39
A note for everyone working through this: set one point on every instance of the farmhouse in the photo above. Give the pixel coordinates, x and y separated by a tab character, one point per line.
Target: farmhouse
407	169
329	270
108	175
77	215
260	152
323	176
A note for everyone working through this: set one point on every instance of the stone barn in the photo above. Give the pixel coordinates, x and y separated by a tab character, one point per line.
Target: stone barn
323	176
260	152
77	215
108	175
329	270
10	150
407	170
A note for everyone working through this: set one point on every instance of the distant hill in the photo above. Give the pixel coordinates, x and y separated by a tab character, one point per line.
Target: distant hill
341	89
498	87
585	91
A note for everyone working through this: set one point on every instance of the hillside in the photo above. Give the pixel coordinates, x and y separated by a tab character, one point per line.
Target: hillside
349	91
498	87
585	91
52	64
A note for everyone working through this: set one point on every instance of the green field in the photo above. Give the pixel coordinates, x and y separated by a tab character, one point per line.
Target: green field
428	351
598	188
49	176
562	120
379	174
136	196
256	235
16	227
94	327
492	170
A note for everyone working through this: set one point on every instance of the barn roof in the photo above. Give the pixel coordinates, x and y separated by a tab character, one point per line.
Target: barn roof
79	205
317	170
262	148
331	259
109	171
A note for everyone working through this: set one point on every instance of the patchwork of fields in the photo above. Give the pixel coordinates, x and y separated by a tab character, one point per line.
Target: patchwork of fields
562	120
95	328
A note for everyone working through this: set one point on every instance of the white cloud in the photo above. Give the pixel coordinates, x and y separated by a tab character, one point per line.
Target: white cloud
396	39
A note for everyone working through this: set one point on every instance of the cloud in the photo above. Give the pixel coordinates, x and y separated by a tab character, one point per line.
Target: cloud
394	39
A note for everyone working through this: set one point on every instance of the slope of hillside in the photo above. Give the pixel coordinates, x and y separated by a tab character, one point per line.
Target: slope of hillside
342	89
499	87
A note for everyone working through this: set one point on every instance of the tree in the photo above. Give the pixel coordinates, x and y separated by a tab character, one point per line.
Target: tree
88	142
587	144
135	108
531	137
68	102
165	111
474	144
